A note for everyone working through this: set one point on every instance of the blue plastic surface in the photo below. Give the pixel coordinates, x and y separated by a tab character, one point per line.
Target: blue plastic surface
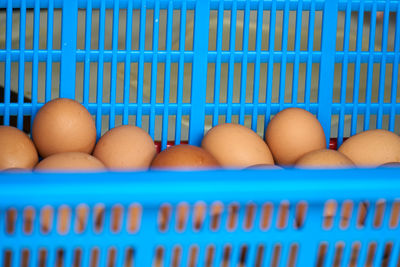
249	217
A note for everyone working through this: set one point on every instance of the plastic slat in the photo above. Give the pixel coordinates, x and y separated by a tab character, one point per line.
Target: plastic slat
68	48
256	83
243	78
395	72
282	74
127	70
231	66
356	84
142	35
7	76
199	71
167	79
271	43
49	59
395	255
35	63
33	257
327	69
86	71
310	45
100	69
382	71
343	83
21	64
370	74
217	80
113	80
153	86
295	82
179	97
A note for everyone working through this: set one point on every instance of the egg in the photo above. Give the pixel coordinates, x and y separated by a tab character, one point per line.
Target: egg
372	148
324	158
125	147
184	157
63	125
264	167
70	161
235	146
292	133
16	149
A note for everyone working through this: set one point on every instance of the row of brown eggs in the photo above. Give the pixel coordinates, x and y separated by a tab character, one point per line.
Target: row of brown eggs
64	135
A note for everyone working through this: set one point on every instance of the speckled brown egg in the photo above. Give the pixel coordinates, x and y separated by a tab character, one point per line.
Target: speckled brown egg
235	146
184	157
292	133
324	158
16	149
125	147
372	148
70	161
63	125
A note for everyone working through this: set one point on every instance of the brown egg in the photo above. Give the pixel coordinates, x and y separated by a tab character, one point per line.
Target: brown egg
70	161
184	157
264	167
16	149
372	148
235	146
125	147
63	125
391	165
292	133
324	158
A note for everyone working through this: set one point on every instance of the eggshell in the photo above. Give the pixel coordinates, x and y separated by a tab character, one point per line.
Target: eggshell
324	158
16	149
292	133
372	148
235	146
70	161
63	125
184	157
125	147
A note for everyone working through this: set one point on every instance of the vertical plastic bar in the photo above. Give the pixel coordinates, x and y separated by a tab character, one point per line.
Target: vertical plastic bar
199	71
102	21
35	63
327	67
231	68
297	39
127	73
270	71
256	83
382	71
370	73
144	253
282	75
310	44
243	78
343	83
142	35
33	257
217	80
179	96
21	64
7	76
395	72
68	48
86	71
167	79
154	65
49	61
113	80
356	84
395	255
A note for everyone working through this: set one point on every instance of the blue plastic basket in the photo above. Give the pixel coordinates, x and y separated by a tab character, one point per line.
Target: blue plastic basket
238	218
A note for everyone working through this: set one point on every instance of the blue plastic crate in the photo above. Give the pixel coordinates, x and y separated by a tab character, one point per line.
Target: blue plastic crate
253	217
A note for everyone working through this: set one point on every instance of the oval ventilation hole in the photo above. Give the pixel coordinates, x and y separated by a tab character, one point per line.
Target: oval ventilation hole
329	214
164	216
216	213
182	212
199	213
117	213
346	214
134	218
249	216
64	219
266	217
46	219
301	213
283	215
82	212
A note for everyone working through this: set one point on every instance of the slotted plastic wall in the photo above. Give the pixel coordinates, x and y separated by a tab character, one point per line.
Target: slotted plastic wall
176	68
